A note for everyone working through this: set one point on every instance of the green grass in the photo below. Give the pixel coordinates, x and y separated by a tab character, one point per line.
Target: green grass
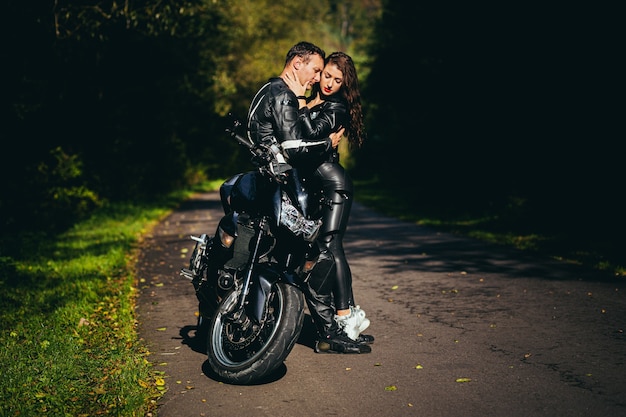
68	340
508	225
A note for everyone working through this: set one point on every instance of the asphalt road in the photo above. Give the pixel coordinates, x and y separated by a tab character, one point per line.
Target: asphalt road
462	329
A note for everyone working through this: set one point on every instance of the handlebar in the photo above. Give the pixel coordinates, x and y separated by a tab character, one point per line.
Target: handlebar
263	156
243	141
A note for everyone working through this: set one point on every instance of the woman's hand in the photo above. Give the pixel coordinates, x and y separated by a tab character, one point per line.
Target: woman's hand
335	137
292	81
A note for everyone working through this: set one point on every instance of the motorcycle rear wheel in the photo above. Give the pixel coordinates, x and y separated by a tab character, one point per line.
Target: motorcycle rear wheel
246	356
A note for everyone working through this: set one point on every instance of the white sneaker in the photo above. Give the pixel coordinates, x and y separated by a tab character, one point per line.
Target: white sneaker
365	322
353	324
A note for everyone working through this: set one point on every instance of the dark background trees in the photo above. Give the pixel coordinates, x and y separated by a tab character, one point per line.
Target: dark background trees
501	108
489	108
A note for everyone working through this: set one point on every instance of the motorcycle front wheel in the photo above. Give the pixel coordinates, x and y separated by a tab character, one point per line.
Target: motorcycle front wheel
241	352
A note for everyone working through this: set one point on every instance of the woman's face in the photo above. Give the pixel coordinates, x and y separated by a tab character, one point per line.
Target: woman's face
332	79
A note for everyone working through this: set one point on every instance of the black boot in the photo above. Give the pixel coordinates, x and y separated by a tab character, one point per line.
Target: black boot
367	339
331	338
336	341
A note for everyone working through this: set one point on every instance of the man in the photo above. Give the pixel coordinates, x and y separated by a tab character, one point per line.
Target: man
273	118
273	113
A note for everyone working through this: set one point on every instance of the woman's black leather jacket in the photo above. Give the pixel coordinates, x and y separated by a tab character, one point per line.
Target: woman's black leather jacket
323	119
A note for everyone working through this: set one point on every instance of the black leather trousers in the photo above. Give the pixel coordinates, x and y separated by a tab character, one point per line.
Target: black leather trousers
330	282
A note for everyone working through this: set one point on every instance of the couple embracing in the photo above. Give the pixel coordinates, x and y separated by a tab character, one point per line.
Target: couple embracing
308	130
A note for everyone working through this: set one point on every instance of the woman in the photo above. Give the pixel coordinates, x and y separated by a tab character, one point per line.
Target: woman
334	103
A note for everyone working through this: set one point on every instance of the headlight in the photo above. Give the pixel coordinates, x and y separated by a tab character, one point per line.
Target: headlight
226	239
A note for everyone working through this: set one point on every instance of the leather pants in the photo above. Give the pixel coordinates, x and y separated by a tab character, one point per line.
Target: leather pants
330	281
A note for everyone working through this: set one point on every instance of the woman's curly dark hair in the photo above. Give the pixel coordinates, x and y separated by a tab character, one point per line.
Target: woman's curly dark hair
351	93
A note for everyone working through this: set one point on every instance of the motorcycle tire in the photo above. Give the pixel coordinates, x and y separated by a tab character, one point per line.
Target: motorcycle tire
242	358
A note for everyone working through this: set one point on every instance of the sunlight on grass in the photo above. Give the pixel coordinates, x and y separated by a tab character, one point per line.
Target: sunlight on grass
68	344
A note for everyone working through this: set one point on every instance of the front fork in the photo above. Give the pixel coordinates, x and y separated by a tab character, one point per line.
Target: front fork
253	262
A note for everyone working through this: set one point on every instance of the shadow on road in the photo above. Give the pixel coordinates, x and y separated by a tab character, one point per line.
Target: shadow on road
370	235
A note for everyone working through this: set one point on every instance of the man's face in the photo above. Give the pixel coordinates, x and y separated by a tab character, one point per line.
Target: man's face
309	73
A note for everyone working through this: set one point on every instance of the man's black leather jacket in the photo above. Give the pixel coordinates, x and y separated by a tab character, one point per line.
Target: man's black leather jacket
273	117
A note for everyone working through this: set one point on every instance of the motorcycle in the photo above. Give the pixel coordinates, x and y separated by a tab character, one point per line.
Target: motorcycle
248	276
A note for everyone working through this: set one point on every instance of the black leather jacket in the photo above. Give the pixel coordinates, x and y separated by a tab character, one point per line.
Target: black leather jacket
323	119
273	117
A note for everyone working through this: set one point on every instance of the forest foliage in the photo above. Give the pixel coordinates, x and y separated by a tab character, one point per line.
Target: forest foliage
471	108
127	99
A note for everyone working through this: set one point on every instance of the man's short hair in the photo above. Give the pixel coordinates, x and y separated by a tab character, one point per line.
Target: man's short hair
304	50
